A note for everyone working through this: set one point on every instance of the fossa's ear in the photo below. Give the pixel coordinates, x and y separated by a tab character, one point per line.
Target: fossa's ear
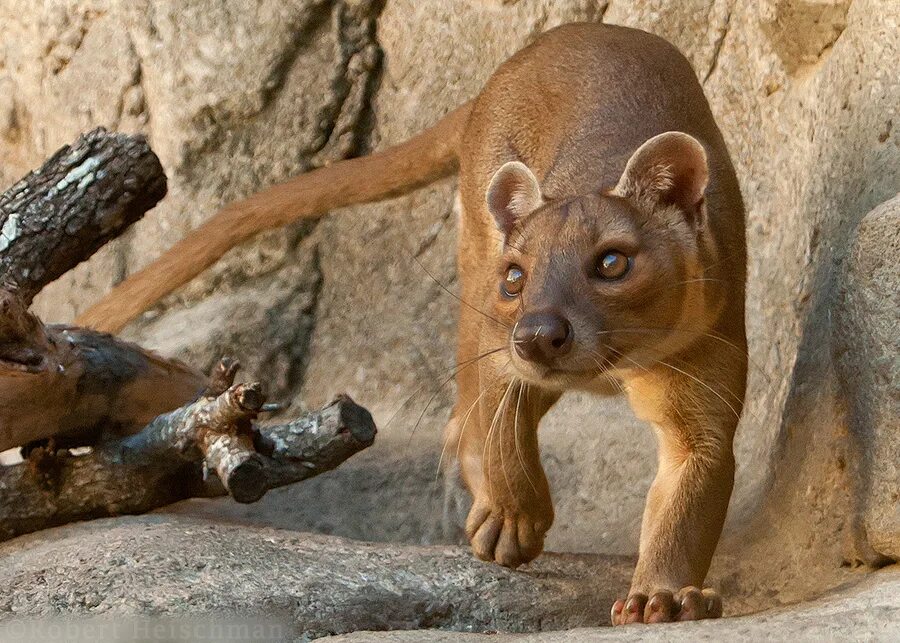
514	192
669	169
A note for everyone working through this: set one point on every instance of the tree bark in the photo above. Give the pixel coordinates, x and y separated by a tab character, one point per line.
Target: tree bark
84	196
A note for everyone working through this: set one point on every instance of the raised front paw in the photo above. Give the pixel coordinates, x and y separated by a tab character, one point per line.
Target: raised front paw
508	537
687	604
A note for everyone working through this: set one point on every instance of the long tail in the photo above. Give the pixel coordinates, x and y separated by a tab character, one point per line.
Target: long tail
426	157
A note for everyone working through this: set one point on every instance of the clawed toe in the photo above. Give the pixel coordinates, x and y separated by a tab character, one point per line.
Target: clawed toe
509	541
713	603
660	608
692	605
688	604
634	609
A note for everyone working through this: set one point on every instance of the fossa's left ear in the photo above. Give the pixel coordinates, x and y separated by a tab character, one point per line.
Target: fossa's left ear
669	169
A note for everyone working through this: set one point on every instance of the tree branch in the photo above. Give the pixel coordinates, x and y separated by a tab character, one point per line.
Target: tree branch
62	386
77	385
59	381
84	196
169	461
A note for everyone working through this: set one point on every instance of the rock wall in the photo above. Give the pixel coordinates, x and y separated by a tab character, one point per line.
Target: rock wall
233	98
865	349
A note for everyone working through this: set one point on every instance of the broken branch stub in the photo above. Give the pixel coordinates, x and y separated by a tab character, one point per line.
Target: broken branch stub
85	195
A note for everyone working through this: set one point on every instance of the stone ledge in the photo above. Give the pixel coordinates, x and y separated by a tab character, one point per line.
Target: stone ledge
165	566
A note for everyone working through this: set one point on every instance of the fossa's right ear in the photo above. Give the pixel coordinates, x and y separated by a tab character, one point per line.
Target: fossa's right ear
514	192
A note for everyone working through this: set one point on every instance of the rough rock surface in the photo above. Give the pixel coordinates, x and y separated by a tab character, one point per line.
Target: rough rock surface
868	612
868	351
806	94
310	586
164	566
231	100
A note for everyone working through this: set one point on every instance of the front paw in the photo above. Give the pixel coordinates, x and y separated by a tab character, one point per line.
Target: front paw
510	537
687	604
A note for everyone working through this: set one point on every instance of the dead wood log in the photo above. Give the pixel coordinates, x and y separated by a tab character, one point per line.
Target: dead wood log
169	460
59	381
62	386
84	196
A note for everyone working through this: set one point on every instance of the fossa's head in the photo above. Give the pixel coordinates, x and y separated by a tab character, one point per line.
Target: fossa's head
603	280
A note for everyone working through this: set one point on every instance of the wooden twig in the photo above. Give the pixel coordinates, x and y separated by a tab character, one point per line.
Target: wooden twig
84	196
170	458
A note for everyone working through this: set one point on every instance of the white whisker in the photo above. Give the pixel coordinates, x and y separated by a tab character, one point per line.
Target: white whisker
522	389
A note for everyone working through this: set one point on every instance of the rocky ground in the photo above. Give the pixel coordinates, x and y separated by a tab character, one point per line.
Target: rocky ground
313	586
806	94
868	612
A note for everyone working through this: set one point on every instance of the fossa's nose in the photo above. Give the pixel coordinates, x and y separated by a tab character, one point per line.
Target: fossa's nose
542	337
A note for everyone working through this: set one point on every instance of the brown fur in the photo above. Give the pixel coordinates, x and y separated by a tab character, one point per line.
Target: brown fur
613	146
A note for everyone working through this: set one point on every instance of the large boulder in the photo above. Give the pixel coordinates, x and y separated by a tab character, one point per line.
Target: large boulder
162	566
867	333
159	573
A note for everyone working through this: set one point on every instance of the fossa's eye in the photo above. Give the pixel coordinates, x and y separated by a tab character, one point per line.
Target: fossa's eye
612	265
513	282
